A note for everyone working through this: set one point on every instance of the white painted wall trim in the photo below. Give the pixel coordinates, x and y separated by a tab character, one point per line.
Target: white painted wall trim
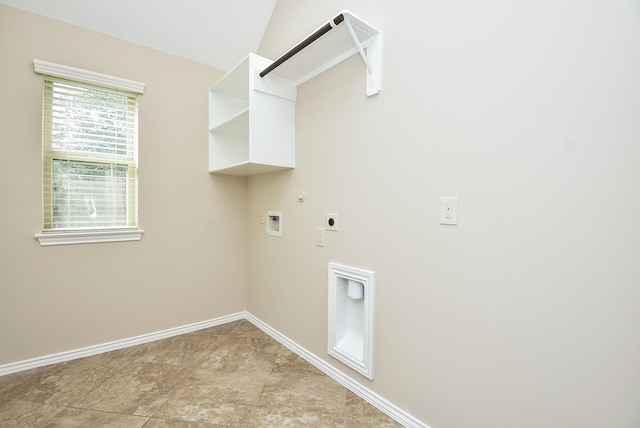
366	394
112	346
87	76
92	237
360	390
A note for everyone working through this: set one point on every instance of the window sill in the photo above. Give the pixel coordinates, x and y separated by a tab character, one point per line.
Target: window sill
93	237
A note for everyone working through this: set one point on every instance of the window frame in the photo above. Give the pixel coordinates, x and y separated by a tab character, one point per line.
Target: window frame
90	235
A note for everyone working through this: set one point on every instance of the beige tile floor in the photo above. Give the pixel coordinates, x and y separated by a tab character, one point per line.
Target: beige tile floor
229	375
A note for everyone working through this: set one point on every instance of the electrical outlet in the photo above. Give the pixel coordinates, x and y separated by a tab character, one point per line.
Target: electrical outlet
449	210
320	237
332	222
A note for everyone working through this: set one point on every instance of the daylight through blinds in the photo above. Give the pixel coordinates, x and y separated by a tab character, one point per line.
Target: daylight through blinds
89	155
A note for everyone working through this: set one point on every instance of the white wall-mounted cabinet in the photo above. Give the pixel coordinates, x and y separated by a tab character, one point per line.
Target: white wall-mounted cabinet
251	121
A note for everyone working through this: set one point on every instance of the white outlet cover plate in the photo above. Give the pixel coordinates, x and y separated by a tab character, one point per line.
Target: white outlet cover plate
449	210
334	226
320	237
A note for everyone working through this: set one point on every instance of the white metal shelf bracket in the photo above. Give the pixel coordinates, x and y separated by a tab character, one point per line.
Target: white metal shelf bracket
371	59
359	46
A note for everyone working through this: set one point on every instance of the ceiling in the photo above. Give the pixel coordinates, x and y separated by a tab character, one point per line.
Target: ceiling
218	33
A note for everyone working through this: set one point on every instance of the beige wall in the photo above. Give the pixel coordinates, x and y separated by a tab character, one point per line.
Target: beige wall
526	313
189	266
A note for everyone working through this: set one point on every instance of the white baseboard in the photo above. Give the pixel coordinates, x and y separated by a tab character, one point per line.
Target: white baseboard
112	346
366	394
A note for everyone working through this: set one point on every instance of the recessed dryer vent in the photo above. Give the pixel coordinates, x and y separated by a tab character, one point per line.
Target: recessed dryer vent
351	318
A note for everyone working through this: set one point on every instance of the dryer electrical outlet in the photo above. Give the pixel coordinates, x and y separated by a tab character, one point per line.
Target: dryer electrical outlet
332	222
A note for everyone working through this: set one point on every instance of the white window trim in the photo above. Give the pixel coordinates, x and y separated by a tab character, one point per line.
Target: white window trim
90	237
86	76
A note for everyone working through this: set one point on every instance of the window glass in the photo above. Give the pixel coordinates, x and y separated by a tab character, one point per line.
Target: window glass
89	156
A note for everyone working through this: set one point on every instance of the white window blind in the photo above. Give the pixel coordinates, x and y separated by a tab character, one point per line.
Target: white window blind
89	156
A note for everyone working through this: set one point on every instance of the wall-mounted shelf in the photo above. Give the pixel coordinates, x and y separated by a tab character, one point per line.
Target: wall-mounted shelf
252	108
340	38
251	121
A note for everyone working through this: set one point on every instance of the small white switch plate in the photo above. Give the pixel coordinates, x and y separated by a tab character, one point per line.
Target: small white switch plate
263	215
332	222
320	237
449	210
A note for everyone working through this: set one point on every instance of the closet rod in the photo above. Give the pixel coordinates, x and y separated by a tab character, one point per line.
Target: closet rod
303	44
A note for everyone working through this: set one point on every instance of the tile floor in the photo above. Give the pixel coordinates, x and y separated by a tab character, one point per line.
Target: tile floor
229	375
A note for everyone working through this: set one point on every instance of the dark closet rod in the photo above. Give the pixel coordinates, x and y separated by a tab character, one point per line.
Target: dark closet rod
303	44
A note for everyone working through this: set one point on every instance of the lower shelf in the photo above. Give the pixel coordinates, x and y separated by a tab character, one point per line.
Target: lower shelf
248	168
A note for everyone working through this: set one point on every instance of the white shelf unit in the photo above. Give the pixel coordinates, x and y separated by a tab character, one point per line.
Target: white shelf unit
251	121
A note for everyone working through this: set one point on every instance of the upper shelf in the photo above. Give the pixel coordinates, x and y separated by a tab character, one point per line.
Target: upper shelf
343	36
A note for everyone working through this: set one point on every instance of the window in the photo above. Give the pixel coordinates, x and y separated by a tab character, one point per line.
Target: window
89	157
